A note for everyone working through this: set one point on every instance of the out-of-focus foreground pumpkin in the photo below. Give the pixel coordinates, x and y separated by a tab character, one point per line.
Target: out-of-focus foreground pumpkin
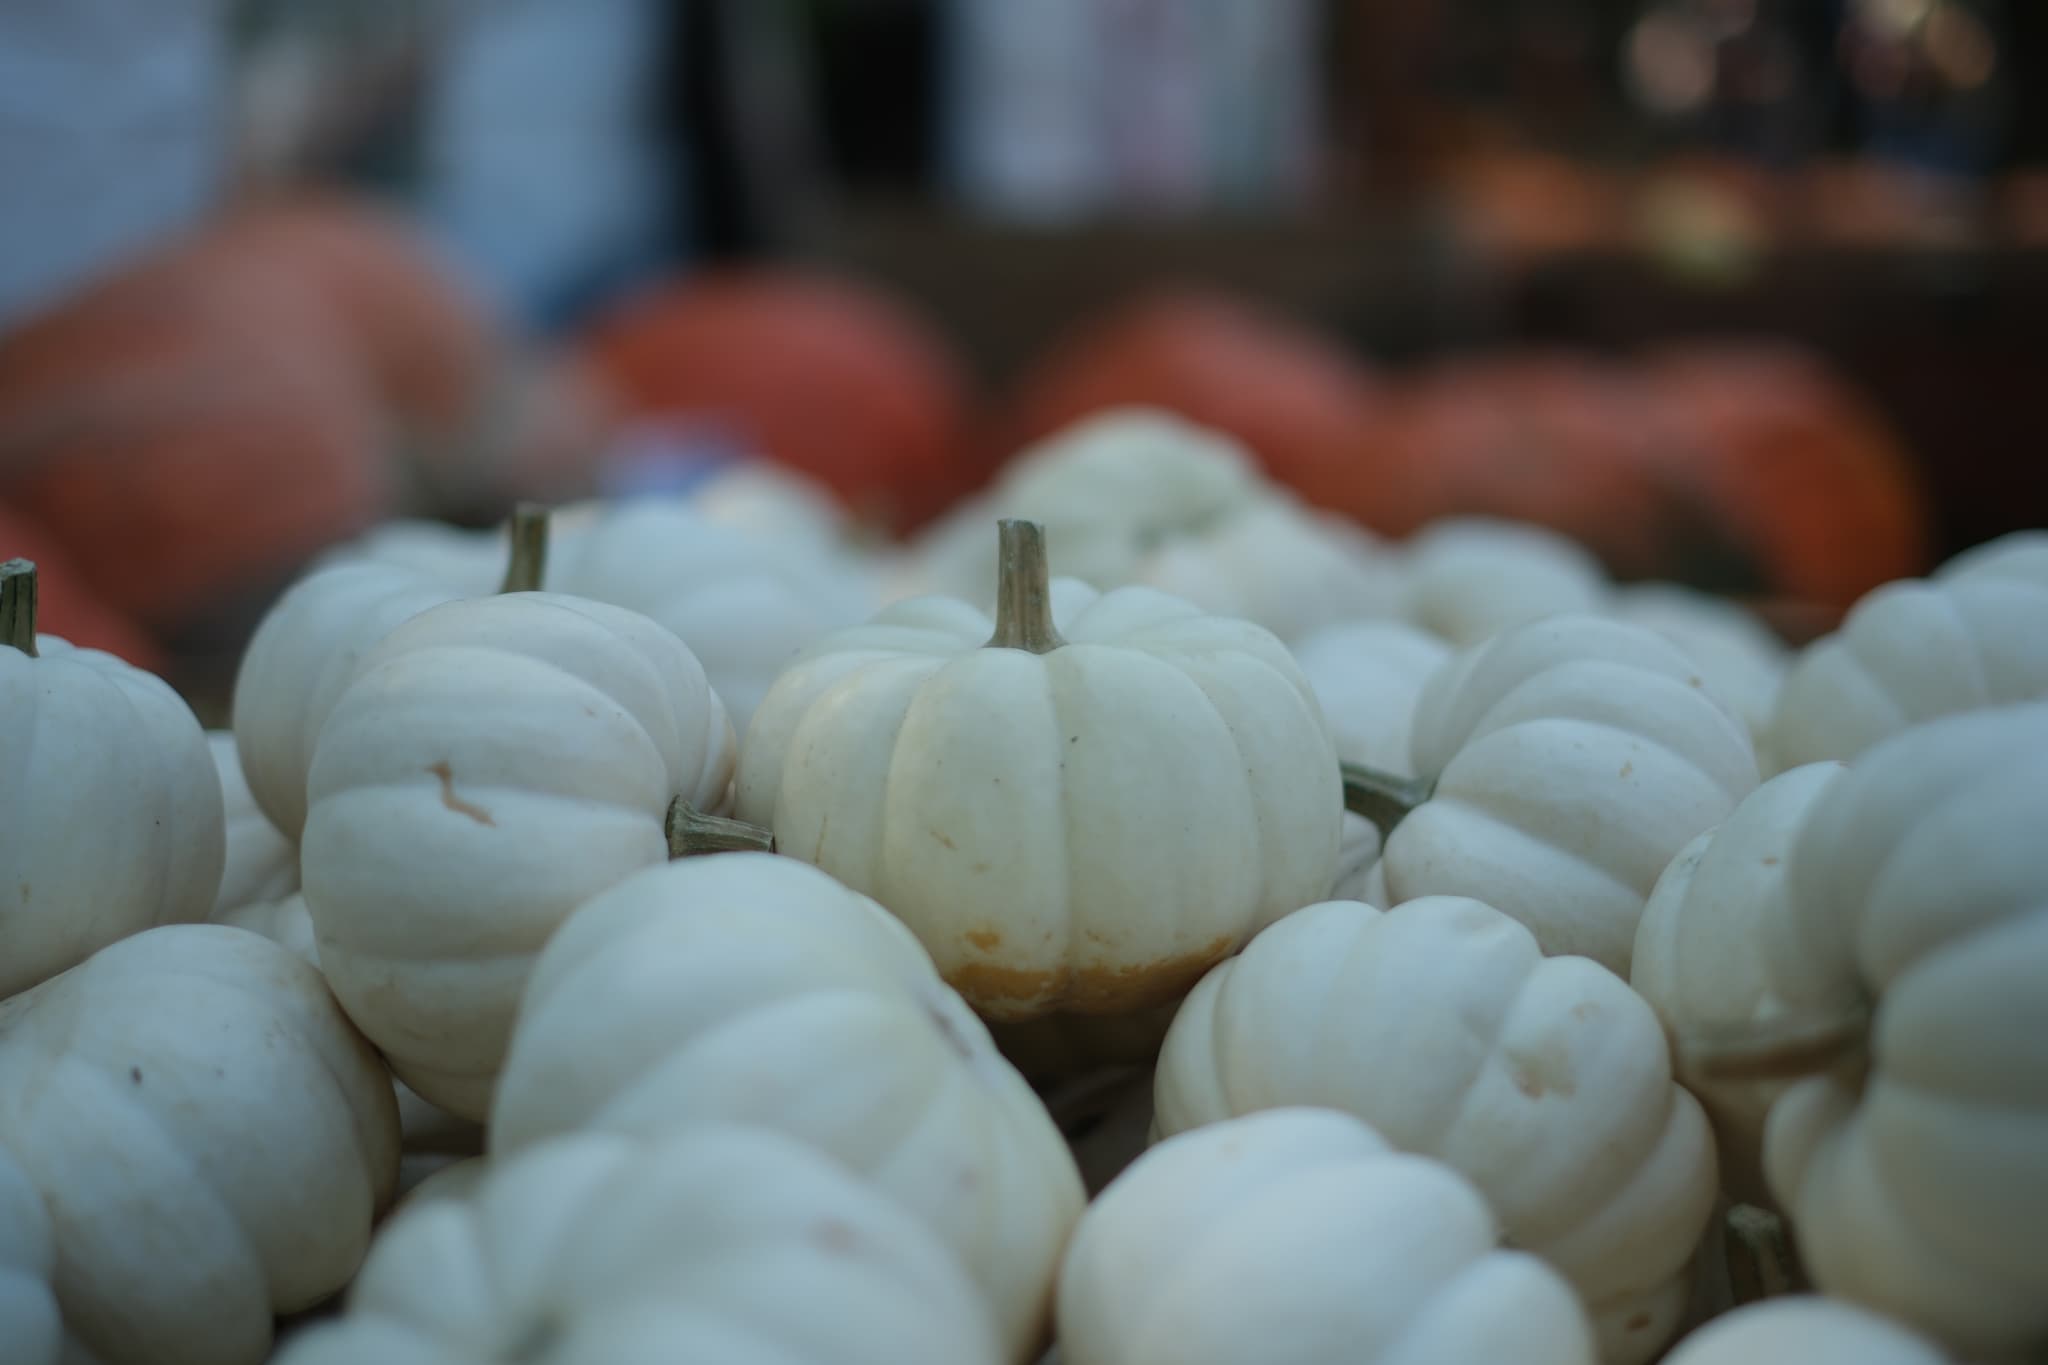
814	371
1296	398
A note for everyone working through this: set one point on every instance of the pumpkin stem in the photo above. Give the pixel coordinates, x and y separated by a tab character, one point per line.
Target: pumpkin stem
18	605
1759	1255
1381	797
691	832
1784	1050
528	563
1023	590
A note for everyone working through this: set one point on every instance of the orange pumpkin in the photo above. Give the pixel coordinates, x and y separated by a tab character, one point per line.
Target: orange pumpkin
1296	398
65	606
820	373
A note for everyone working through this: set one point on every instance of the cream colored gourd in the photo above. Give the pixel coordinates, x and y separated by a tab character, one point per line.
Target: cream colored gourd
212	1141
1803	1329
1702	954
1078	817
1544	1080
1298	1237
1470	578
110	813
744	604
775	502
1563	764
1742	659
469	563
30	1323
497	761
1973	635
722	1244
750	987
261	865
1913	1158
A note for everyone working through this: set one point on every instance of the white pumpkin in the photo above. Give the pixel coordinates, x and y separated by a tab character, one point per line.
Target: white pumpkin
261	864
723	1244
774	502
750	987
1742	658
1470	578
497	761
1915	1170
469	563
744	604
30	1322
1803	1329
285	922
1544	1080
1368	676
1298	1237
1112	490
110	813
211	1139
1703	947
1076	818
1564	764
1974	635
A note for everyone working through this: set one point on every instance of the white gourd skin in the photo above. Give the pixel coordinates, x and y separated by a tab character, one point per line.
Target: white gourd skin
750	987
1974	635
1544	1080
1744	661
30	1323
1297	1237
110	812
744	605
1803	1329
261	865
1085	829
1702	954
305	651
211	1138
775	502
468	563
497	761
1572	759
1470	578
1918	1184
725	1245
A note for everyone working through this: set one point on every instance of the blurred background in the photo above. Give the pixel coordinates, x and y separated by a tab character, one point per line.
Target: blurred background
1748	294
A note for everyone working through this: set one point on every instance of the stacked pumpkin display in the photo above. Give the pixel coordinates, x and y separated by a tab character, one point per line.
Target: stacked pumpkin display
1142	918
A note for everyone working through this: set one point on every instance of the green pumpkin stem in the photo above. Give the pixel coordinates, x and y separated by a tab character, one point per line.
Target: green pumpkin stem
691	832
527	564
1023	590
1381	797
18	605
1782	1050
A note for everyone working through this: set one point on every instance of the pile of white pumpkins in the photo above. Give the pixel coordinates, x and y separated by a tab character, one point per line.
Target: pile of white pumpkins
1143	921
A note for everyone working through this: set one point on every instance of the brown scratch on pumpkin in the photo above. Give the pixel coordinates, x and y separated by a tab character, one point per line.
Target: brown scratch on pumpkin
456	803
24	893
1628	769
1770	862
988	940
943	838
836	1237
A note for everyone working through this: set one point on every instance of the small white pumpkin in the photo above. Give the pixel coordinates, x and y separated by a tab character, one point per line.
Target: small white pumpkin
110	813
1563	764
1299	1237
469	563
1702	951
750	987
774	502
1544	1080
1080	817
1974	635
211	1139
496	762
1470	578
1743	659
722	1244
30	1323
1913	1160
744	604
1368	677
261	865
1804	1329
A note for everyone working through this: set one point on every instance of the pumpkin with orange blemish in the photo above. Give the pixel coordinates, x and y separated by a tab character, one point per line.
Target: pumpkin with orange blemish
1078	811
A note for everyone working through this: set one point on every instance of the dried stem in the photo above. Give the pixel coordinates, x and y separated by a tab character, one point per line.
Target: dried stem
1023	590
527	565
1759	1256
18	605
692	832
1381	797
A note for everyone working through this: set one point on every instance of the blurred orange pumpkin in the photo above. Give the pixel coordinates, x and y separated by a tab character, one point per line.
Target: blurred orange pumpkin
1296	398
818	372
65	606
